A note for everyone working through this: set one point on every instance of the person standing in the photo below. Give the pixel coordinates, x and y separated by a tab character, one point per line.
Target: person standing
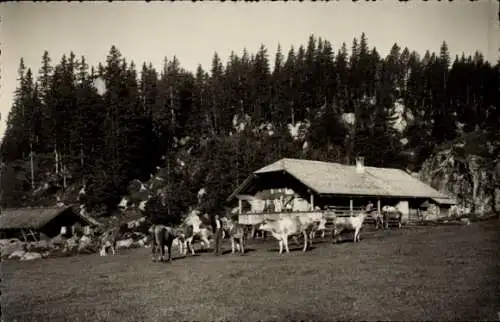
369	207
218	235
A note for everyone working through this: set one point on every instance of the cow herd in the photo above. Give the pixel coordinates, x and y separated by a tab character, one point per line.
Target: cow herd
164	238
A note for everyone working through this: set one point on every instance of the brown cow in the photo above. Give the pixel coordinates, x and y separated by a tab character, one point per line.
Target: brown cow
162	236
236	232
108	240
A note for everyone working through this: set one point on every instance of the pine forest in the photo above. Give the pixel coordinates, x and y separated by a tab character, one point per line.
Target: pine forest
103	126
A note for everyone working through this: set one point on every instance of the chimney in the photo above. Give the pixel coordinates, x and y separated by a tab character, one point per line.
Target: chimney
360	164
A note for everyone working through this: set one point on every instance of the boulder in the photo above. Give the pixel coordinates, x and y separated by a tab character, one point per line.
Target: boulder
135	236
31	256
125	243
17	254
85	243
138	239
9	246
136	223
57	241
465	221
141	242
71	245
72	242
39	246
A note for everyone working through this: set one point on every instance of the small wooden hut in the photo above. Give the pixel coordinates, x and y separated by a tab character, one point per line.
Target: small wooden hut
29	223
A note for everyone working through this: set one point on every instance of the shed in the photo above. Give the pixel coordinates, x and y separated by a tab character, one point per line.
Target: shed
435	208
29	222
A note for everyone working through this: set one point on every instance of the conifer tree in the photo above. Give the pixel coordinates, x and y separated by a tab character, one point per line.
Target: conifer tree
182	121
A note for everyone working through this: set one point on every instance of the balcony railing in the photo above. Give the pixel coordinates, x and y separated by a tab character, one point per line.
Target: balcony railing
249	218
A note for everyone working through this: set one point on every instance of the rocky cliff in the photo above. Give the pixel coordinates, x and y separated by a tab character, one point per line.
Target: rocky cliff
471	176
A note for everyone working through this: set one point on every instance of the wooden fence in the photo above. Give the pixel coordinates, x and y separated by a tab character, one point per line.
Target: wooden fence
346	211
255	218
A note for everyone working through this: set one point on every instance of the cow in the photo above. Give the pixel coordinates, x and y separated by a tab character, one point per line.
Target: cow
203	234
162	236
390	212
108	240
256	231
236	232
179	240
319	226
282	228
193	228
348	223
102	252
378	218
310	225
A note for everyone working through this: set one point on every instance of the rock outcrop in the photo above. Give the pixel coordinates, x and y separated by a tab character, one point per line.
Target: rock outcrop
471	178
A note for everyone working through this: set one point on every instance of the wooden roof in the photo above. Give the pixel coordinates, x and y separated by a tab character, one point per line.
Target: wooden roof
36	217
338	179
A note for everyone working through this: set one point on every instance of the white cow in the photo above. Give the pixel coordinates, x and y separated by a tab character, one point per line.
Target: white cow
204	234
193	227
349	223
193	219
282	228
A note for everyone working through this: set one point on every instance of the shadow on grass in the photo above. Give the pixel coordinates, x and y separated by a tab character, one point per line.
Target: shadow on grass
293	249
322	241
247	250
204	250
344	241
197	254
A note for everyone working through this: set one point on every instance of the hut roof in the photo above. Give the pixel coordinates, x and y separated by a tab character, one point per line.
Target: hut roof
339	179
36	217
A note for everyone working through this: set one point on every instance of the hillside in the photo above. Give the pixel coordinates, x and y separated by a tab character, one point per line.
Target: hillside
105	126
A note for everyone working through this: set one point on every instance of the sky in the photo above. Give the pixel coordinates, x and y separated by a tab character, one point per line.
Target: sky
148	32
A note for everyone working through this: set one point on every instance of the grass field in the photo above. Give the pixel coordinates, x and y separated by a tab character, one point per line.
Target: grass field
421	273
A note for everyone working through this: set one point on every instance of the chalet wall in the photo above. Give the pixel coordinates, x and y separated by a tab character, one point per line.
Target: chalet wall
277	181
404	207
